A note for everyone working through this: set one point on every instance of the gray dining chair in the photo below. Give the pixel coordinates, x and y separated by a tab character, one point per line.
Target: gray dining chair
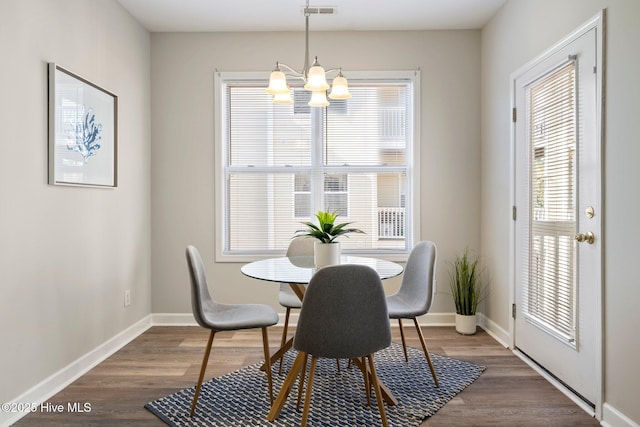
299	246
343	316
224	317
415	295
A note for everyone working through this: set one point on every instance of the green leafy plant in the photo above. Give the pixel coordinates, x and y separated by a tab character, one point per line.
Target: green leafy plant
465	283
326	231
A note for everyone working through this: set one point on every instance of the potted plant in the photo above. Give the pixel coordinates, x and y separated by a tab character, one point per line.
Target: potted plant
467	291
326	249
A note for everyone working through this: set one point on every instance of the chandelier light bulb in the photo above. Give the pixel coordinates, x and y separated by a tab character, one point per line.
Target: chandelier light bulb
283	98
277	83
340	88
316	80
318	99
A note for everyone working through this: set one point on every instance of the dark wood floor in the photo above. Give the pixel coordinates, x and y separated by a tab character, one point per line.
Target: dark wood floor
166	359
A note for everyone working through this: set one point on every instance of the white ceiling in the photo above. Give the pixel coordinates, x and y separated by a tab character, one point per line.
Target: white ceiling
287	15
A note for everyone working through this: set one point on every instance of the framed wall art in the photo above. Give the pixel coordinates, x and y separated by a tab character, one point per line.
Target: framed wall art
83	131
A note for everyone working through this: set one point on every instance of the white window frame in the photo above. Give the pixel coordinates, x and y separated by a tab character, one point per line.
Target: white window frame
413	168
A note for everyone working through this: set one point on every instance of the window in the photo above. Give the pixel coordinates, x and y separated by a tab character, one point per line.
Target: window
279	164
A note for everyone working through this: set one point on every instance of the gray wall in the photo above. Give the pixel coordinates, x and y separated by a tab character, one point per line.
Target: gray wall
183	142
521	31
67	254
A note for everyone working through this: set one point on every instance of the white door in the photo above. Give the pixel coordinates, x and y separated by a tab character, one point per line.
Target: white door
558	213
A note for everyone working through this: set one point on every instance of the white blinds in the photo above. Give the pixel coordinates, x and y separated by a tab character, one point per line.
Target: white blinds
551	289
282	163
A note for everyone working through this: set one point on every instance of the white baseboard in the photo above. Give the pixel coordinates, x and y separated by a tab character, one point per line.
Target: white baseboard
611	417
494	330
61	379
186	319
435	319
173	319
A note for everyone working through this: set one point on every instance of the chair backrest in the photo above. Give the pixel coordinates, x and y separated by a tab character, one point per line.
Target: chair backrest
418	280
301	246
344	313
201	300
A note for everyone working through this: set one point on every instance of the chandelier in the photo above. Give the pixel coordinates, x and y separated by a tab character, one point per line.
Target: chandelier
314	77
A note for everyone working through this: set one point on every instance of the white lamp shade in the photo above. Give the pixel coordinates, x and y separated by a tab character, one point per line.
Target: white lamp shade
316	80
340	89
277	83
318	99
283	98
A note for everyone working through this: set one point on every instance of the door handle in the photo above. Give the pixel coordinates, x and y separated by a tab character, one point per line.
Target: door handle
587	237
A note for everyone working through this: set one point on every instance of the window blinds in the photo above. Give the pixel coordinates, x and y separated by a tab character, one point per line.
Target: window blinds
551	288
283	163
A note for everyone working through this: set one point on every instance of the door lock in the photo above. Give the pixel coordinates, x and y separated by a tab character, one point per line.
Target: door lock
587	237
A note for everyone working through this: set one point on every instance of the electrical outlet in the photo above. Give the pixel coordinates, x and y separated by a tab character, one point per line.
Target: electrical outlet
127	298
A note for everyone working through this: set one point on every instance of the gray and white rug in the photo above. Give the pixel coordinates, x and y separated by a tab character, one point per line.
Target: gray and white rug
240	398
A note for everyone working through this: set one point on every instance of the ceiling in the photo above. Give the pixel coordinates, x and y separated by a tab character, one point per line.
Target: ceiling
287	15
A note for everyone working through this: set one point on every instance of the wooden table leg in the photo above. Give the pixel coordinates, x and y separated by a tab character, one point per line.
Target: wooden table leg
386	393
280	353
298	289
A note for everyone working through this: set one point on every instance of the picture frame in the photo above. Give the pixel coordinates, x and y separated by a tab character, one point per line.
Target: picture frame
83	131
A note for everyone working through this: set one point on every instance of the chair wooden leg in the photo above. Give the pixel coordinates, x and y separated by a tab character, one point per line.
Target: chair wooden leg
203	368
376	388
367	386
267	361
426	352
286	387
307	399
404	343
284	335
303	372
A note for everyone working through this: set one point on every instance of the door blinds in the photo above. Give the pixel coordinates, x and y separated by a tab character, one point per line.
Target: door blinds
551	291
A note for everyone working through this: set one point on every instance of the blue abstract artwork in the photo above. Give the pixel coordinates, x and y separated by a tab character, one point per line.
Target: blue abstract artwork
85	135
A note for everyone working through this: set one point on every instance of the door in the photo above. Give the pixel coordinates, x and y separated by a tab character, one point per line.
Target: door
557	213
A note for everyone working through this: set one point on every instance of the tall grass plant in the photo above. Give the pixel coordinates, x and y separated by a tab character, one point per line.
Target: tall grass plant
465	283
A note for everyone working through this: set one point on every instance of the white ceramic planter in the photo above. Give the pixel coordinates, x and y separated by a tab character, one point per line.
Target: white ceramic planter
326	253
466	325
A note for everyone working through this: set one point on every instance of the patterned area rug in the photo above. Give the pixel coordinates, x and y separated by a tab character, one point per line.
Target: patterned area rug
241	399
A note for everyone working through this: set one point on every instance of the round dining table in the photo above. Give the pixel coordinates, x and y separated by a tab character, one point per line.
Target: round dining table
297	272
300	269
